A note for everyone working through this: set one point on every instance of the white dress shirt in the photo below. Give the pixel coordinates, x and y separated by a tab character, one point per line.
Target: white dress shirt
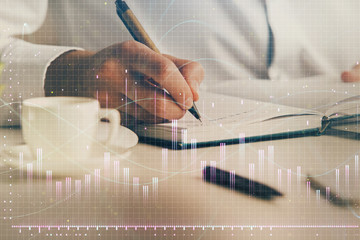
229	38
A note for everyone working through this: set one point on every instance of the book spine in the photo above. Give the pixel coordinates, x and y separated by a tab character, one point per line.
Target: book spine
325	123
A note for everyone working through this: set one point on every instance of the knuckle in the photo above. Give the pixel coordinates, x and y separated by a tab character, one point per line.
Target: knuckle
128	48
166	69
195	65
199	70
128	44
194	70
134	52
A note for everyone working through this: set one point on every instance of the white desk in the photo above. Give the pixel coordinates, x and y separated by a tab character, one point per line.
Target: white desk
181	201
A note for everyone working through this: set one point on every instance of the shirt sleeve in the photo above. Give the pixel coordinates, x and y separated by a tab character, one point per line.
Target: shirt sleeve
23	74
24	64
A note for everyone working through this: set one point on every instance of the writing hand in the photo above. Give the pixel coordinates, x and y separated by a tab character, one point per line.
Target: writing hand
116	76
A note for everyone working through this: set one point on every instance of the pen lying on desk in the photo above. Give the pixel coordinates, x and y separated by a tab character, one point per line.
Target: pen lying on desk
238	183
334	199
139	34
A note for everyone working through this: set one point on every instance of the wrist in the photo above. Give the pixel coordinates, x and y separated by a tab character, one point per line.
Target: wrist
68	74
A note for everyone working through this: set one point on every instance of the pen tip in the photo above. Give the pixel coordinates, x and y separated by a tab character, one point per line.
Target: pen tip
278	194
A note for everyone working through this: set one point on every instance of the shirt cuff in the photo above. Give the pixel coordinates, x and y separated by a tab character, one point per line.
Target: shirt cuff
25	66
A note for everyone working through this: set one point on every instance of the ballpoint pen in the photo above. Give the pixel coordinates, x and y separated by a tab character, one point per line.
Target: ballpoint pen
238	183
139	34
330	196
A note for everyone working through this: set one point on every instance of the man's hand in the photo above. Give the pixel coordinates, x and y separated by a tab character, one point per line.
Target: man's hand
353	75
117	76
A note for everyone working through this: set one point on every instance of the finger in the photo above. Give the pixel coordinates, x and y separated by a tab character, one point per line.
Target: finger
155	101
131	113
142	59
114	81
137	115
192	71
151	99
140	117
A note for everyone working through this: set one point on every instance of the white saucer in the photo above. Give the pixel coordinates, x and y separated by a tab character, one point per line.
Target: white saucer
62	166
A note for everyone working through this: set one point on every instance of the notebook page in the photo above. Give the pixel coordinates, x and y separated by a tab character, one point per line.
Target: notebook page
346	107
275	126
226	117
218	110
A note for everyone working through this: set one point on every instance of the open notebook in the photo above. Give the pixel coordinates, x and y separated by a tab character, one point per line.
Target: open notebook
233	120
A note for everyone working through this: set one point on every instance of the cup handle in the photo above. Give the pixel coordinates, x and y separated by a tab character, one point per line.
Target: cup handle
113	116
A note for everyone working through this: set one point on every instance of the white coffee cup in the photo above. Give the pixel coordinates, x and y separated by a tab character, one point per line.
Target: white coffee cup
64	127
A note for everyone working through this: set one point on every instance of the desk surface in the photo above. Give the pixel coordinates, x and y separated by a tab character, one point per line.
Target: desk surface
172	201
